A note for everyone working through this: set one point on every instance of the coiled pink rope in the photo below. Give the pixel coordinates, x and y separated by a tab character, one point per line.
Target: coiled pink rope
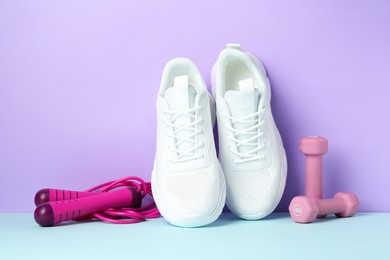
127	215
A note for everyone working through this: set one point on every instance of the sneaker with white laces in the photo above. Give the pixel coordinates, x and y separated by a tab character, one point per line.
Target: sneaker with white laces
188	184
250	147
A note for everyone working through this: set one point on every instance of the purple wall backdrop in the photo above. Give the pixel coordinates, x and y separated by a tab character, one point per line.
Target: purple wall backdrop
78	81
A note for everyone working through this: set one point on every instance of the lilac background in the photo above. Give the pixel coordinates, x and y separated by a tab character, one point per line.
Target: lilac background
78	81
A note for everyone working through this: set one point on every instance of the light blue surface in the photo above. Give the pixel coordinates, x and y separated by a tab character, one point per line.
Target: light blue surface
364	236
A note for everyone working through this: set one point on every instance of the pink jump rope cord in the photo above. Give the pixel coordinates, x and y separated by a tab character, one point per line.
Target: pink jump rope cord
127	215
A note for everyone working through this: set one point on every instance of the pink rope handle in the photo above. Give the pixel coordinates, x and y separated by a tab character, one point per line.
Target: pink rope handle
126	215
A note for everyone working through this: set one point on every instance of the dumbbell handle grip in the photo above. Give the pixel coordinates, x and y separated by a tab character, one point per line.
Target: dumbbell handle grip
314	176
330	206
51	213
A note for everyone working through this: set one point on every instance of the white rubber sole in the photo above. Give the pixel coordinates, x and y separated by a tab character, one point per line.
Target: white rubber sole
282	183
195	220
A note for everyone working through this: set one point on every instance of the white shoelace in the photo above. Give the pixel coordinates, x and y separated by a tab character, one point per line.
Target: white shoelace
252	141
191	137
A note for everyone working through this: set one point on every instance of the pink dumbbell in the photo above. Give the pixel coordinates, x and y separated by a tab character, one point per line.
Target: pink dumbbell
314	147
305	209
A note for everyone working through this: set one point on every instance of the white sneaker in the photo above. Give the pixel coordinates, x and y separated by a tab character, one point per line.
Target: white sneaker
250	147
187	181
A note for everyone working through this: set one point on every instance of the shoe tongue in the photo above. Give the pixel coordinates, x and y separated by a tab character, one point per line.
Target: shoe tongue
242	103
181	97
245	101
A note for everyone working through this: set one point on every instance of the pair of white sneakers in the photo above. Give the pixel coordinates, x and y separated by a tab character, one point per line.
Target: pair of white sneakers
189	183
